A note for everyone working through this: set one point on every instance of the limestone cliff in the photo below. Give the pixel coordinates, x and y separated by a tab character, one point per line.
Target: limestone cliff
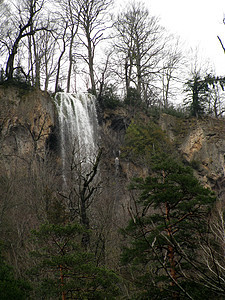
201	143
27	121
29	185
28	127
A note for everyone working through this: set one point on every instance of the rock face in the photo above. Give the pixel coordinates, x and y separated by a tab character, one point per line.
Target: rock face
28	128
29	183
27	122
201	143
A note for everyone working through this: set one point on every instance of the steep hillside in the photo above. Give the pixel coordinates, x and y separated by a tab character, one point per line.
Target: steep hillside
35	188
28	126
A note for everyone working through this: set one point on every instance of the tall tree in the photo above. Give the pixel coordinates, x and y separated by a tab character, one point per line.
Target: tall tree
171	75
140	42
216	95
204	94
170	217
93	22
65	270
197	94
10	287
28	14
62	50
70	15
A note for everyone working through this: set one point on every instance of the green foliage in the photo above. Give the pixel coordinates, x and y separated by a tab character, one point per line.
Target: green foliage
171	218
109	98
63	267
132	98
143	140
23	87
177	112
197	92
10	287
213	80
201	93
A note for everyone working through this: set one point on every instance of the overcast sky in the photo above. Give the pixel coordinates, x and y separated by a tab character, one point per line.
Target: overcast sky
197	22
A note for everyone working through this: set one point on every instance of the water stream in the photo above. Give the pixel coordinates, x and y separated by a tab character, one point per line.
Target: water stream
78	128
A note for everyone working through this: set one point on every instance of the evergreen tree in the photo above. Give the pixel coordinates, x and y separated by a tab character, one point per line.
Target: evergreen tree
164	233
197	92
133	97
143	140
64	270
10	287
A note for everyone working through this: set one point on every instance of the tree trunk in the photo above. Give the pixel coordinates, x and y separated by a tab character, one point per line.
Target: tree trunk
37	65
171	252
30	60
70	63
85	223
10	62
62	282
139	75
91	65
59	64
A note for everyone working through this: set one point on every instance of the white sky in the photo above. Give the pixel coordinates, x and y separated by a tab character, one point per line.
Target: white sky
197	22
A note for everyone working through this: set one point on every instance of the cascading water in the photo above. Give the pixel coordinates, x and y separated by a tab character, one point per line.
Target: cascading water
78	127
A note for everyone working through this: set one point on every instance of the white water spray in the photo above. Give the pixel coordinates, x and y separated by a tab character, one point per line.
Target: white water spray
78	126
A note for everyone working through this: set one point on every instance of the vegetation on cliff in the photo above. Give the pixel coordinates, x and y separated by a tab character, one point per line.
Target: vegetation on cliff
170	218
170	242
72	232
169	227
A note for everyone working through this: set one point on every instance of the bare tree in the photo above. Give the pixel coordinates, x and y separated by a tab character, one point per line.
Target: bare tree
82	186
69	13
93	20
73	21
62	52
140	43
213	252
172	63
28	14
5	32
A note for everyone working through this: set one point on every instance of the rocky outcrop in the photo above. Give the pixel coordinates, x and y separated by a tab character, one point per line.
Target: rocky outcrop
201	143
28	128
30	184
27	122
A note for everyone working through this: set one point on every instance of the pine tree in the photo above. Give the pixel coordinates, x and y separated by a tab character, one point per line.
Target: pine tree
164	233
11	288
64	270
143	140
197	90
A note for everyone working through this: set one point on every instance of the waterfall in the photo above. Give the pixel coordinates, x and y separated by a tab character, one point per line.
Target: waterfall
78	127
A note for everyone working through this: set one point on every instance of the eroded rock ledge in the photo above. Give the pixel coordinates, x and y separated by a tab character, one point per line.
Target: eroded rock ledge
201	143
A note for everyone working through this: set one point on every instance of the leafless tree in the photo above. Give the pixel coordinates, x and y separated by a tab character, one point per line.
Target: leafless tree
93	22
22	25
213	252
69	13
171	73
62	50
140	45
82	185
216	101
